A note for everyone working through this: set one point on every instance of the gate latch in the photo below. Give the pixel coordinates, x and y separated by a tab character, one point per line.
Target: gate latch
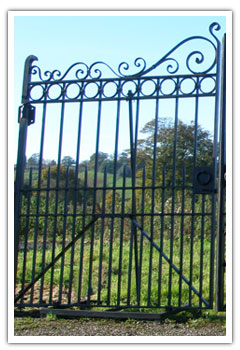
203	180
27	111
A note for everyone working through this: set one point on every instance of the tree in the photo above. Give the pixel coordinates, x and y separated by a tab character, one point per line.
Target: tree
68	161
33	161
49	162
124	162
192	145
83	165
107	161
101	159
65	179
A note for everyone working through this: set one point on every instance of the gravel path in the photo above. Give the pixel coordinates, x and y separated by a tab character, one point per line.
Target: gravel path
102	327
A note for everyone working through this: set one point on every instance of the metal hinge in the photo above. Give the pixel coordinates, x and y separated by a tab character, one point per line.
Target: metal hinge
27	111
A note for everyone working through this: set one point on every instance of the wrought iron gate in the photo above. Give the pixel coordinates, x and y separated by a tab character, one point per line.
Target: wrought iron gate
137	230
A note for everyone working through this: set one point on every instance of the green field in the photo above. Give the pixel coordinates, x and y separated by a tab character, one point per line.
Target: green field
155	270
104	258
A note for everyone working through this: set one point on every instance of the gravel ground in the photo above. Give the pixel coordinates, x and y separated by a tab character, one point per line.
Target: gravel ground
26	326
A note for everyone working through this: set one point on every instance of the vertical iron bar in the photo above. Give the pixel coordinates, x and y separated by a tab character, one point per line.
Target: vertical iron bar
142	225
193	194
133	237
21	159
173	196
82	239
110	250
123	200
56	198
217	108
29	193
212	250
35	239
95	192
121	237
191	248
101	238
161	236
130	266
220	254
64	236
75	193
71	268
113	194
201	251
182	235
18	187
76	181
27	77
153	197
45	232
215	163
137	266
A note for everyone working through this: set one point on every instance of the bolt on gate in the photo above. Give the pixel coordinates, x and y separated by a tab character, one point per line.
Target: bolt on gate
134	229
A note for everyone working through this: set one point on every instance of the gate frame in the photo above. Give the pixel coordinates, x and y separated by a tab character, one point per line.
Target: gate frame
24	122
220	235
26	119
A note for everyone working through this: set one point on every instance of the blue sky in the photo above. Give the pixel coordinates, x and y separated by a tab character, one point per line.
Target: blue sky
59	41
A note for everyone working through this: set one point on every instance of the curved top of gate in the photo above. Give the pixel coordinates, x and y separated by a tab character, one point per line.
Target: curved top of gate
191	62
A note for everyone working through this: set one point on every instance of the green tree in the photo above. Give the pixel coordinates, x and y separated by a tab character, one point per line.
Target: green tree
64	179
68	161
33	161
101	160
192	144
124	161
49	162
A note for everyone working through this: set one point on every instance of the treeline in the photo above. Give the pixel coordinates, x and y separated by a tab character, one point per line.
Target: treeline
99	162
165	157
103	161
163	146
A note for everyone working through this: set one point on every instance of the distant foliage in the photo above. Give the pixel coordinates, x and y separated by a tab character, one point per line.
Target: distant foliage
65	180
169	146
67	189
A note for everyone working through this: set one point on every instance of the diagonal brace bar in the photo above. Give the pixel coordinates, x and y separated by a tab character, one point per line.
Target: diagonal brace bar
169	261
68	246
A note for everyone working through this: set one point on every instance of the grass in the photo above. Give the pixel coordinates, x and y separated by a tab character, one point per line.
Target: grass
100	181
104	259
155	271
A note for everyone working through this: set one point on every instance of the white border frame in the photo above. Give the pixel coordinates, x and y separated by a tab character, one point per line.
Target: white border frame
121	339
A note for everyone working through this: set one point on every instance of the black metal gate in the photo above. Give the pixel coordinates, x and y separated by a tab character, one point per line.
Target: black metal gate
134	229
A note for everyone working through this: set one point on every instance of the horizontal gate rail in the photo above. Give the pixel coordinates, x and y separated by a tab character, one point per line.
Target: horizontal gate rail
116	215
135	98
114	314
146	78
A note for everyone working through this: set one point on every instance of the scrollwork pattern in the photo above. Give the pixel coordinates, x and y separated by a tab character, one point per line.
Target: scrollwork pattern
167	77
81	71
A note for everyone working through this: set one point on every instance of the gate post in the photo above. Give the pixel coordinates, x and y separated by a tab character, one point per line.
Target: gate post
220	254
24	121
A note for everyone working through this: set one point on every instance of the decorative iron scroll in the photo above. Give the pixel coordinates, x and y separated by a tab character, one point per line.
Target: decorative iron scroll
82	71
81	81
